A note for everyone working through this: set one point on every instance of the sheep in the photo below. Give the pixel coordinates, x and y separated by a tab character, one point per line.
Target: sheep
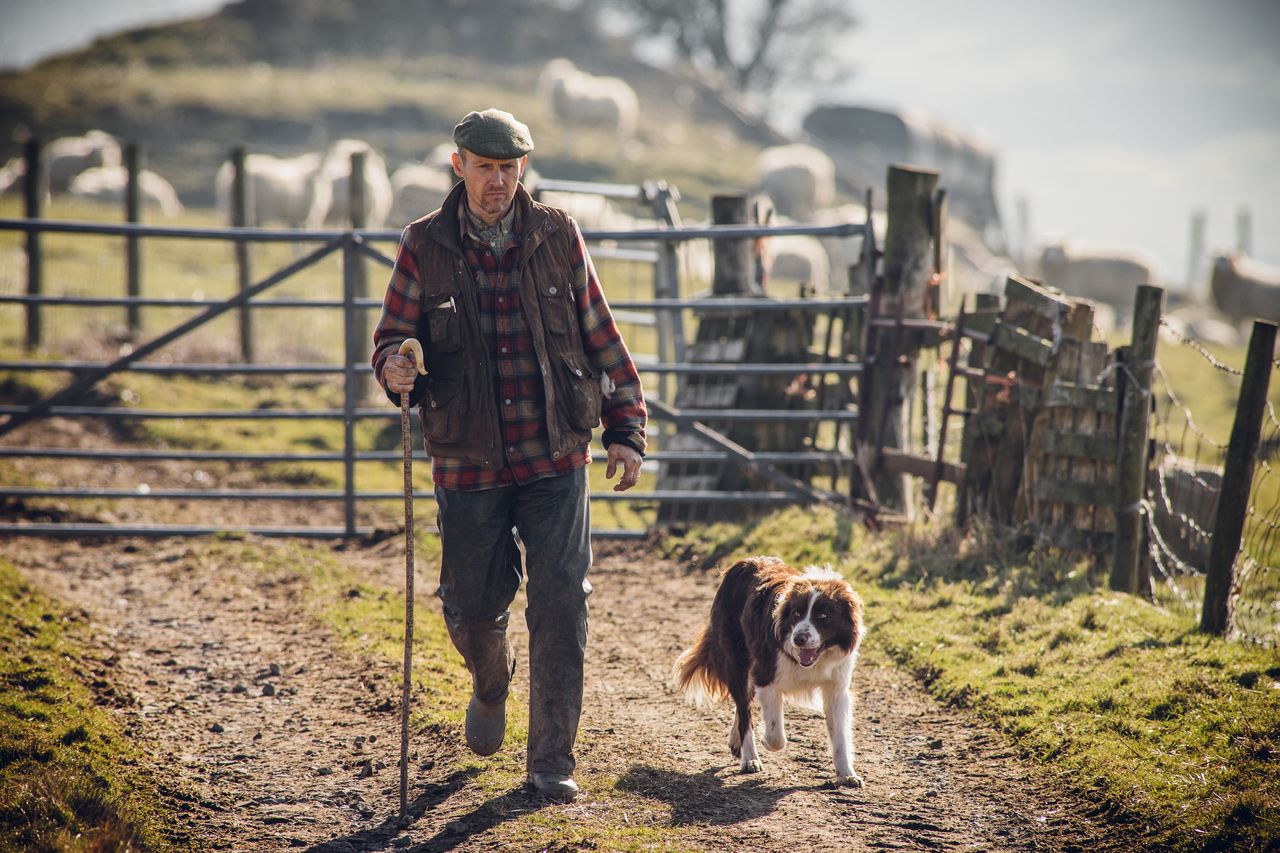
440	157
579	99
332	193
279	189
107	184
68	156
799	178
798	257
417	190
1244	288
12	175
1106	275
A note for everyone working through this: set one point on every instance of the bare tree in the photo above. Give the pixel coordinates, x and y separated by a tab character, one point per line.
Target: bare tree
759	47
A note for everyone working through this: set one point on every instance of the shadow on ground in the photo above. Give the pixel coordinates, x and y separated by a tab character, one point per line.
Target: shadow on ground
705	798
516	803
379	836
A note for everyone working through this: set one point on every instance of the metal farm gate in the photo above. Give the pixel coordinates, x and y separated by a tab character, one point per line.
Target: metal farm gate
666	312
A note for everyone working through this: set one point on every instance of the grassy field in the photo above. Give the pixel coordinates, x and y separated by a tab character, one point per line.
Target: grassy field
1125	701
69	778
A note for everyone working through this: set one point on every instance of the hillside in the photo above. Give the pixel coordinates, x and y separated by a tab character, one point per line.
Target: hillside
292	76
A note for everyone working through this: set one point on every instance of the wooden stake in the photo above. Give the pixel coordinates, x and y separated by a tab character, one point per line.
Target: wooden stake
1131	463
1233	502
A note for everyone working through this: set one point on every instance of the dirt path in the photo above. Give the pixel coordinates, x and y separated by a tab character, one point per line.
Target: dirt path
289	742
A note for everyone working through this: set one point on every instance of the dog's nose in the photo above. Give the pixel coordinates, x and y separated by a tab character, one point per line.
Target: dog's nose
802	638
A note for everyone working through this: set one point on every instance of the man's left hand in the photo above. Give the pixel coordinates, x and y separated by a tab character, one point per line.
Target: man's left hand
629	459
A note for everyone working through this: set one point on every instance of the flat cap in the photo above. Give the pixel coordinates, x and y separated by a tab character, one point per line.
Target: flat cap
494	134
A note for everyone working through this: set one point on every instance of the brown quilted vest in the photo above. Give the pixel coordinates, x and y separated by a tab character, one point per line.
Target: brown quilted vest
460	413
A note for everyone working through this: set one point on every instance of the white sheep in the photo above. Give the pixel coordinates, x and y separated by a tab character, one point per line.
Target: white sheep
798	257
440	157
1243	288
334	175
800	179
579	99
417	190
11	178
279	189
1108	275
68	156
107	184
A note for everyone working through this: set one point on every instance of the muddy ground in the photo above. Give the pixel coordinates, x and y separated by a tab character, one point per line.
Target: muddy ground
291	742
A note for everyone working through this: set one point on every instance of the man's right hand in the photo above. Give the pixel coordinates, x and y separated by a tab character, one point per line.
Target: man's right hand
398	374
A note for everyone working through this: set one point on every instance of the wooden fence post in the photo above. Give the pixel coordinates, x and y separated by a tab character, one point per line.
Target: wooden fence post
1131	461
1233	502
132	215
1244	230
356	193
33	200
889	374
733	262
1197	284
240	204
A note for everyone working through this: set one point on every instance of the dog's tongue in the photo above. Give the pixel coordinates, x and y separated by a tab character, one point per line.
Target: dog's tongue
807	656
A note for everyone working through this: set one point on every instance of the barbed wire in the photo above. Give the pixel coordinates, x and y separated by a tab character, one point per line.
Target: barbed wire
1200	348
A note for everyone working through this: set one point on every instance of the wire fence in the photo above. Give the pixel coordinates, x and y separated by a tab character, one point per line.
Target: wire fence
1185	483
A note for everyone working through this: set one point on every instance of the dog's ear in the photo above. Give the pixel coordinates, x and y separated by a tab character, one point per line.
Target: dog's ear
853	603
781	596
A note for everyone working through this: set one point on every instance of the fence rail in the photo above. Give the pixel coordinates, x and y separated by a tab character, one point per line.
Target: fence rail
352	245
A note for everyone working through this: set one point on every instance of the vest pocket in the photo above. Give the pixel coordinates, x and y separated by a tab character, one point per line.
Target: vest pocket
443	323
442	411
557	308
581	392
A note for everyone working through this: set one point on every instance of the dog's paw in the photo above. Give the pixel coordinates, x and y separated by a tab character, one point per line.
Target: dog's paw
752	766
775	743
851	780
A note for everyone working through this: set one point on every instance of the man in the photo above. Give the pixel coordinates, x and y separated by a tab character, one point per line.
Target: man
523	360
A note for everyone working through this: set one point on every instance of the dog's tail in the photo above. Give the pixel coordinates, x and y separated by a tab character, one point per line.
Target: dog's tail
695	674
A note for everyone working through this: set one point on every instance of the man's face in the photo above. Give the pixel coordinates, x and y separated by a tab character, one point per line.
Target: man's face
491	184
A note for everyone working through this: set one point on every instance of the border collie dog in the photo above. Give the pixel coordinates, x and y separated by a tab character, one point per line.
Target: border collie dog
778	632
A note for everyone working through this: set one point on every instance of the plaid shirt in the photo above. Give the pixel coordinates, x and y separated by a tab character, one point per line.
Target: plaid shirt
492	254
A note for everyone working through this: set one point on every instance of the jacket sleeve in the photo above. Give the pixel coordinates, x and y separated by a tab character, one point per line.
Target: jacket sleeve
623	413
401	307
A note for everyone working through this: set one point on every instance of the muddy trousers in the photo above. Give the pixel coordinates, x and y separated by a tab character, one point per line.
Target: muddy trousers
480	573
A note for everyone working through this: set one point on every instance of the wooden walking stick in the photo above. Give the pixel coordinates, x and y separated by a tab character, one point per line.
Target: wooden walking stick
414	351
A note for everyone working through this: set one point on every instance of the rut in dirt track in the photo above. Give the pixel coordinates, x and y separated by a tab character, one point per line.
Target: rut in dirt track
290	742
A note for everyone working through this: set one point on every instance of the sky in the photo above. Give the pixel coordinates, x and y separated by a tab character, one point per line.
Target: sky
1113	120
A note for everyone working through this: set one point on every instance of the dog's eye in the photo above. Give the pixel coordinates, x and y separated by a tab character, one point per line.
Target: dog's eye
820	616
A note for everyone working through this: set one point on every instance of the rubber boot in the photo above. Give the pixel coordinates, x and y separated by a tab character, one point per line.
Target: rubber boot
487	653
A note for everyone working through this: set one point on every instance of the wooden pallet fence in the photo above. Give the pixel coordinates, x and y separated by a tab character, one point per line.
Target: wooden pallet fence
1024	341
1068	487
